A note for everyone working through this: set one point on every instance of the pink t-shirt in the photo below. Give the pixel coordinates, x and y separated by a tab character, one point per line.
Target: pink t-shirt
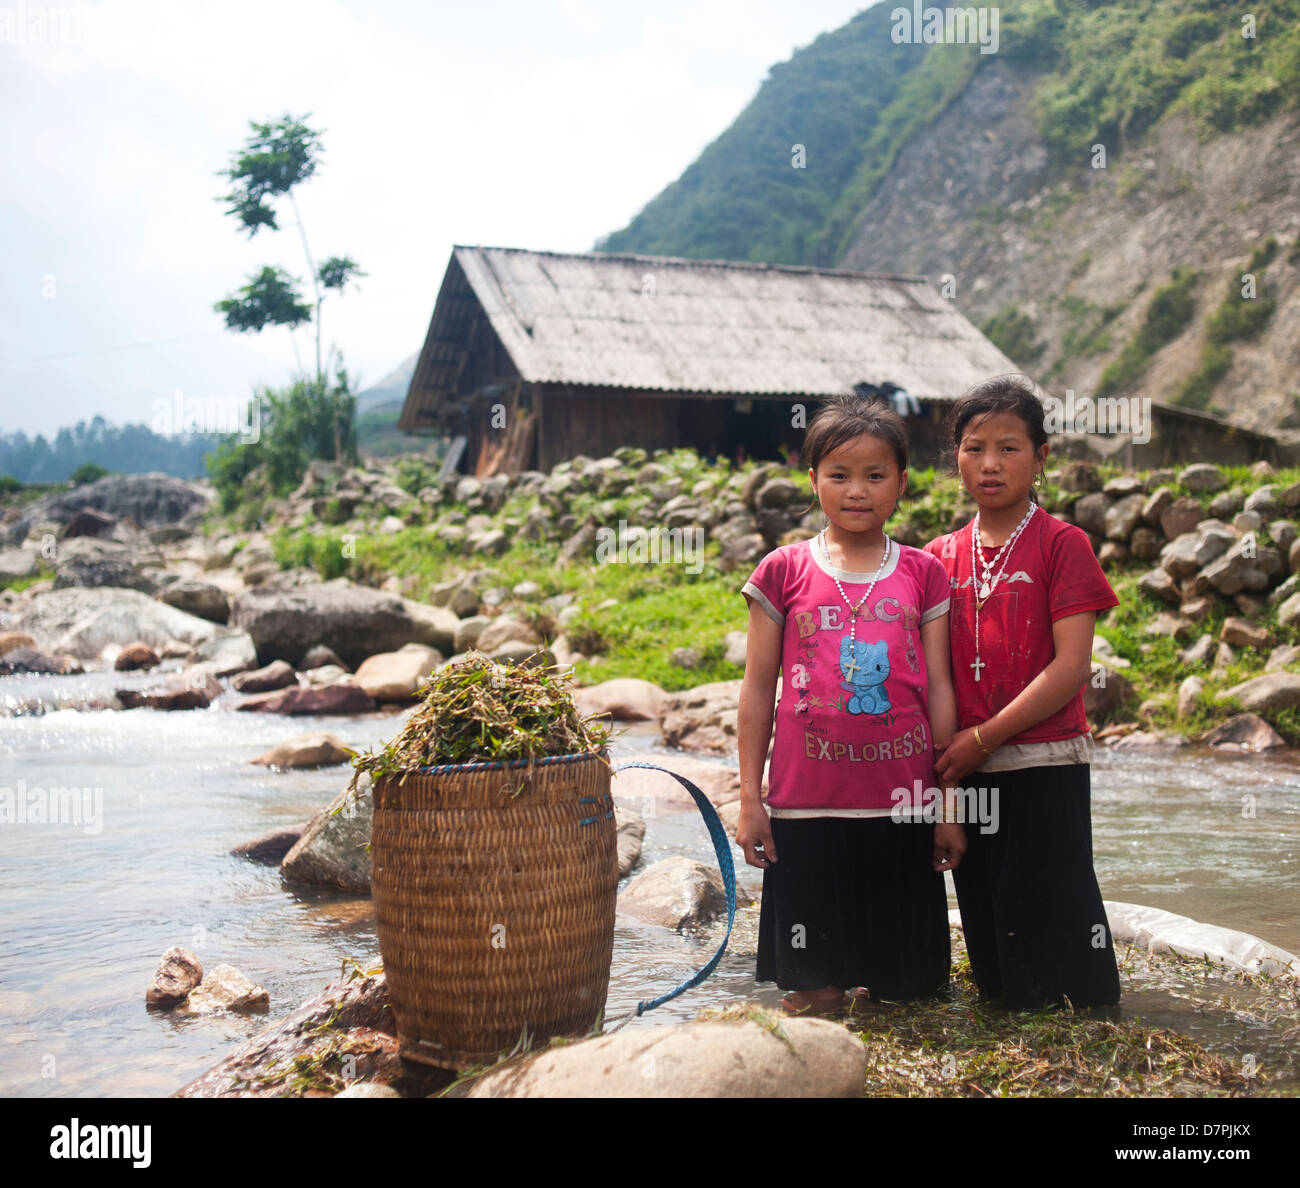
852	722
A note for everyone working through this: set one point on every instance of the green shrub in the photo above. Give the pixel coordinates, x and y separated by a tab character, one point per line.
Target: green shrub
1166	318
87	472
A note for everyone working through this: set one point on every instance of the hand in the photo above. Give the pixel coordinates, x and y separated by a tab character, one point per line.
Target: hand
754	835
959	758
949	846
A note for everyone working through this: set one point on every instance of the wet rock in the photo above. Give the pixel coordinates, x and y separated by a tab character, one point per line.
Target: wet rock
226	653
1273	691
32	660
15	639
1245	732
224	988
194	597
652	791
368	1089
276	675
136	656
626	699
316	749
676	893
395	676
319	657
193	689
271	846
1201	476
86	622
354	621
705	1059
338	698
332	850
351	1017
631	833
703	718
327	674
178	973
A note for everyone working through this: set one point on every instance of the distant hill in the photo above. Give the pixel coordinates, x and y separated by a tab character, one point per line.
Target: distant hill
389	389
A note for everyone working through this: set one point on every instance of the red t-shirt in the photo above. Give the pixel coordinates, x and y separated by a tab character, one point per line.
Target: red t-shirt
1051	572
853	720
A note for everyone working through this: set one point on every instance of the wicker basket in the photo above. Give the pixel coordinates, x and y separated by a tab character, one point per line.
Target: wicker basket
495	914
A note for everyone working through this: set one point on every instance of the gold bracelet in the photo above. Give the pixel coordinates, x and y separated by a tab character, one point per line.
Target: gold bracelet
981	742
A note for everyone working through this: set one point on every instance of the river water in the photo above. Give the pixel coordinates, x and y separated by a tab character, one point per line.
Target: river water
88	907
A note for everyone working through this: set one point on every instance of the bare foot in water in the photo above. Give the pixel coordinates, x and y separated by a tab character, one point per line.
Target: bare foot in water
813	1002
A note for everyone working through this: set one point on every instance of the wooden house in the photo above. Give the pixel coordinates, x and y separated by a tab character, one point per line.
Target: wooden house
535	357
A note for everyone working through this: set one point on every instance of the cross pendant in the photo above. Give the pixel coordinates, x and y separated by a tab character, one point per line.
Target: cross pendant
852	666
977	666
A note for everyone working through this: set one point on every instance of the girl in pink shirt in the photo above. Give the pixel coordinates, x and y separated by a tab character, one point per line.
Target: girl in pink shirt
855	628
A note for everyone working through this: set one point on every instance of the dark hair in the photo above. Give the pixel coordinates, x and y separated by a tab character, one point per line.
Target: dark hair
842	418
1012	393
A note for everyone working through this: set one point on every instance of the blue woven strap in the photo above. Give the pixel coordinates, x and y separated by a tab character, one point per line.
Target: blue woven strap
722	848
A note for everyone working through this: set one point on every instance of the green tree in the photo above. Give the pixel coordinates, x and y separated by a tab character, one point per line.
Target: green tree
276	158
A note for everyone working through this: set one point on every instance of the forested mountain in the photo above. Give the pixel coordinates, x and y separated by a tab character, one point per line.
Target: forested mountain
1113	195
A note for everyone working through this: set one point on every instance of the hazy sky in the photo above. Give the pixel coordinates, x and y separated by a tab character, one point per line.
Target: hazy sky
502	122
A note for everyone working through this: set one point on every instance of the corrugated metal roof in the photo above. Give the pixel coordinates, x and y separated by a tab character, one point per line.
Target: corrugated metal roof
656	323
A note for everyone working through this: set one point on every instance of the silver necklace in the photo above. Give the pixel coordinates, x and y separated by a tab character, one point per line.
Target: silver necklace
853	610
991	577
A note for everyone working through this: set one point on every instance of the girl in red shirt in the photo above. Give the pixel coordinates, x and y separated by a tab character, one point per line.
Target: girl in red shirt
854	625
1026	589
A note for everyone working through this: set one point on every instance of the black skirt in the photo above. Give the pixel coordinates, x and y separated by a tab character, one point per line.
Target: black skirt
1031	910
853	901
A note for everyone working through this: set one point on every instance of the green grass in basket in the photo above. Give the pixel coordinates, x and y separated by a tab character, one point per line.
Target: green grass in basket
480	711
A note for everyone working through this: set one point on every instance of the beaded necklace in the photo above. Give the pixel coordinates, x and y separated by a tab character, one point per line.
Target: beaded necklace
853	610
991	576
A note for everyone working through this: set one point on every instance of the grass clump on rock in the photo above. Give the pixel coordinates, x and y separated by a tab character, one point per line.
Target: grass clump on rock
477	710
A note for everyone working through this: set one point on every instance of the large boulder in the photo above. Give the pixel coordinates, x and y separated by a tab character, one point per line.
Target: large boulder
1179	516
342	697
625	699
270	847
86	623
703	718
225	652
1245	732
395	676
353	620
332	850
354	1016
16	564
675	892
705	1059
150	500
1202	476
193	689
1122	517
195	597
316	749
276	675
